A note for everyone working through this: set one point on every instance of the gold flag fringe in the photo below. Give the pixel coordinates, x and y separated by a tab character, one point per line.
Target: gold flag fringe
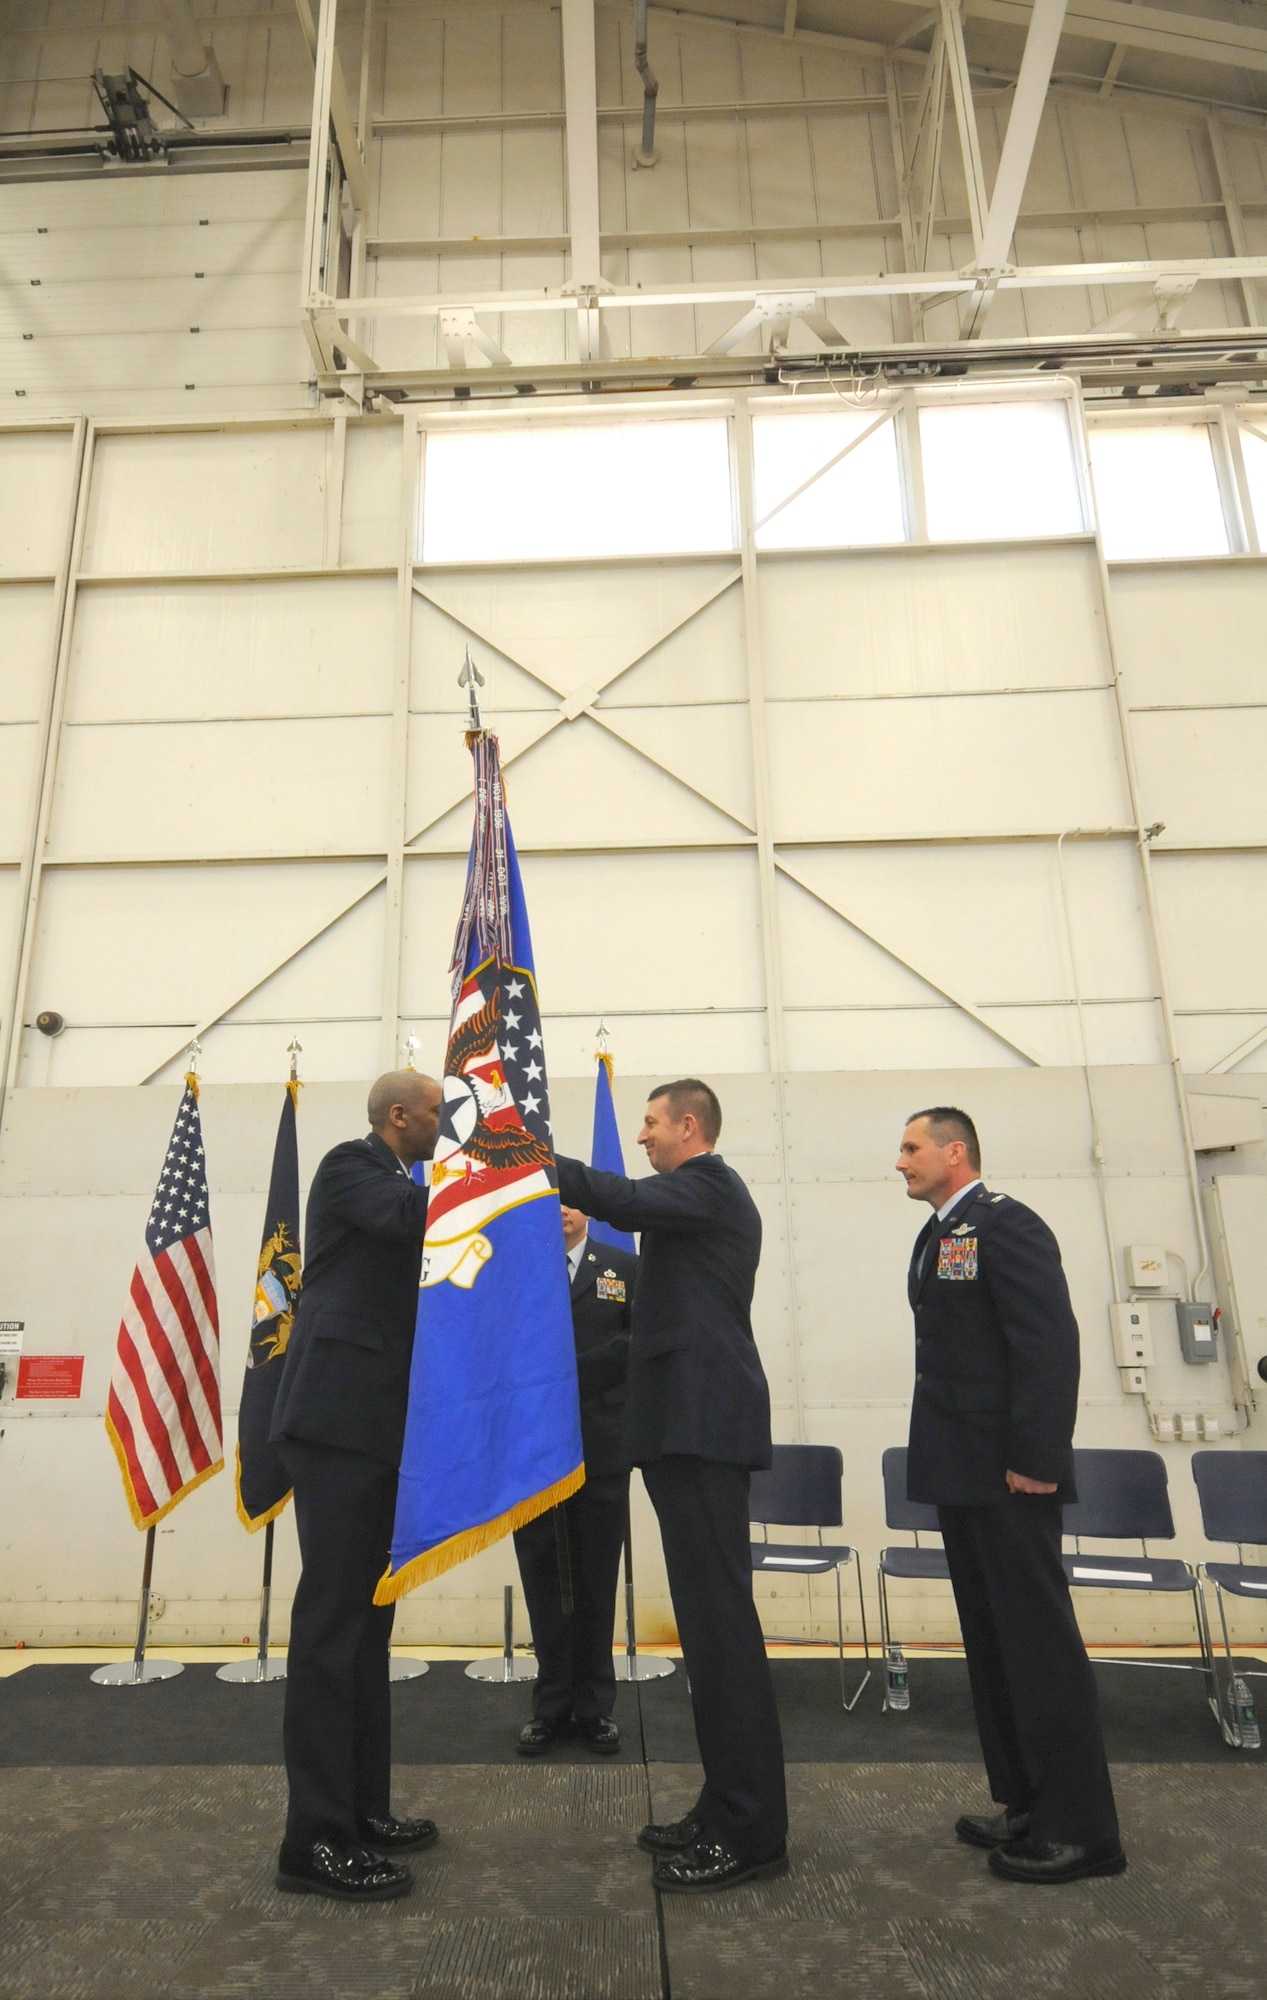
144	1521
253	1524
447	1555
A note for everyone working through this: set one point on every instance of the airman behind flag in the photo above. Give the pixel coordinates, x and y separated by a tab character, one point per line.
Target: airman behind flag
493	1435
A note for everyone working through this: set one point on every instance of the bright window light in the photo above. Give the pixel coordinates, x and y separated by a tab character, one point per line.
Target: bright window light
998	471
1254	447
858	501
1157	491
532	493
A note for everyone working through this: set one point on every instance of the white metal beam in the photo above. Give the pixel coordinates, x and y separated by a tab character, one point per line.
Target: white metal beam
1235	216
1026	277
965	118
580	91
340	112
1046	24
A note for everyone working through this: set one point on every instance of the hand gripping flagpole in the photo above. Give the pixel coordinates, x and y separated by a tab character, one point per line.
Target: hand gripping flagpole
635	1666
138	1671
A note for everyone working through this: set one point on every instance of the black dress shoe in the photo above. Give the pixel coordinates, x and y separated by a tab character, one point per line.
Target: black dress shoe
350	1874
535	1738
991	1829
709	1864
600	1734
398	1836
1054	1861
670	1836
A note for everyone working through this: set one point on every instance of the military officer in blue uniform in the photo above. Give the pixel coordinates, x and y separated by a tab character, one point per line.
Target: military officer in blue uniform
575	1688
991	1445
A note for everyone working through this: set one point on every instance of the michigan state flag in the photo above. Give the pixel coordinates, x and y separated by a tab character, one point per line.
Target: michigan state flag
263	1485
493	1435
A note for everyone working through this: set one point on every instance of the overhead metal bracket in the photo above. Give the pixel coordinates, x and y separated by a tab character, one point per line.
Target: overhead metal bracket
1158	315
773	313
459	330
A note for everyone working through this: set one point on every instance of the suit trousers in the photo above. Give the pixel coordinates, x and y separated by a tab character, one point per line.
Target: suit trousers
1033	1688
702	1506
575	1676
337	1726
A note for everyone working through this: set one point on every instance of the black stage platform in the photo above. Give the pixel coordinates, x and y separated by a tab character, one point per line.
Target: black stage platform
138	1829
54	1715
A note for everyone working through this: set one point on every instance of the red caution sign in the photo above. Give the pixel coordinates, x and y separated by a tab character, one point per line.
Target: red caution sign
50	1377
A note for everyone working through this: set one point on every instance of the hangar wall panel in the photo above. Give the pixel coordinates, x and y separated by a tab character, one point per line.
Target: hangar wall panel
810	802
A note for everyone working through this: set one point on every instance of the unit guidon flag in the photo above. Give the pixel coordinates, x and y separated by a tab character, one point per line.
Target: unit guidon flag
163	1410
493	1434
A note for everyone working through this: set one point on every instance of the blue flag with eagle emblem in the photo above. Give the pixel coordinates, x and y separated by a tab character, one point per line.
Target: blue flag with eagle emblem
493	1434
263	1483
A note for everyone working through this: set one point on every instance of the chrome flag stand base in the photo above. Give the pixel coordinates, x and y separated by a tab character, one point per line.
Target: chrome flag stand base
250	1673
637	1666
508	1668
253	1673
138	1671
402	1669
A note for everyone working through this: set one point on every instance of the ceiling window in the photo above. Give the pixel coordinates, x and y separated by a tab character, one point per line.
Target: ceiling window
999	471
1157	491
541	492
826	480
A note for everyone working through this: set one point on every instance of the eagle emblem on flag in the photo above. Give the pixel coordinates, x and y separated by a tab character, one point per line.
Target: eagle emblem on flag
488	1156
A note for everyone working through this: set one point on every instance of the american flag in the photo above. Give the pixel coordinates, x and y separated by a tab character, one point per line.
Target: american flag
163	1412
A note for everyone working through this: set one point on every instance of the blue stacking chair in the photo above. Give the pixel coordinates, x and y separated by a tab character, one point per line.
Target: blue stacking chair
916	1565
802	1490
1123	1496
1232	1489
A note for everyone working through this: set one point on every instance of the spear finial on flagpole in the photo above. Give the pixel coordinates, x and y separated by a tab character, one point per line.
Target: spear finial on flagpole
604	1043
409	1050
193	1056
294	1051
471	678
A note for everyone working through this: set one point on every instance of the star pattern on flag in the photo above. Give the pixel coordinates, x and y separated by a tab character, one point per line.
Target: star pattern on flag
525	1076
181	1201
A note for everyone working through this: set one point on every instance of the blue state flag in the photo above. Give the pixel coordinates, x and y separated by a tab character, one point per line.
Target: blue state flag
605	1153
493	1434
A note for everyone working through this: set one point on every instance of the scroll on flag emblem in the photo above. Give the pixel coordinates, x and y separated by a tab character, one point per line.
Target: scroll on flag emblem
493	1433
163	1410
263	1484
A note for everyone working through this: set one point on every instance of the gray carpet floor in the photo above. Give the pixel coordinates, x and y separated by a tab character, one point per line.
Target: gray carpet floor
153	1883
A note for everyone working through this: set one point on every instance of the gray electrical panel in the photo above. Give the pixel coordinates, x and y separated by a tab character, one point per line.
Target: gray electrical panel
1196	1331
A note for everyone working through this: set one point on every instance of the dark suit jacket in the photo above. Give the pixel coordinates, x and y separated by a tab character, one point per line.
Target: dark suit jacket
996	1355
696	1384
345	1380
601	1327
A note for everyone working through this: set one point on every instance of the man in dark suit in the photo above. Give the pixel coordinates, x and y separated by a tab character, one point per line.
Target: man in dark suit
992	1419
339	1425
698	1424
575	1686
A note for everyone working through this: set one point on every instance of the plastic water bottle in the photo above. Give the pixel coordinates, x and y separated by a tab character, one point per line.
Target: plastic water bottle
898	1693
1244	1722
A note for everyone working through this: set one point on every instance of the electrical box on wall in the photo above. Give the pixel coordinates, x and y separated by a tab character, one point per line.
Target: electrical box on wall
1145	1266
1196	1331
1132	1335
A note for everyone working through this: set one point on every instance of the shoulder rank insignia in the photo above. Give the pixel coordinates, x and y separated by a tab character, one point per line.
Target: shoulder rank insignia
611	1287
998	1197
957	1257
